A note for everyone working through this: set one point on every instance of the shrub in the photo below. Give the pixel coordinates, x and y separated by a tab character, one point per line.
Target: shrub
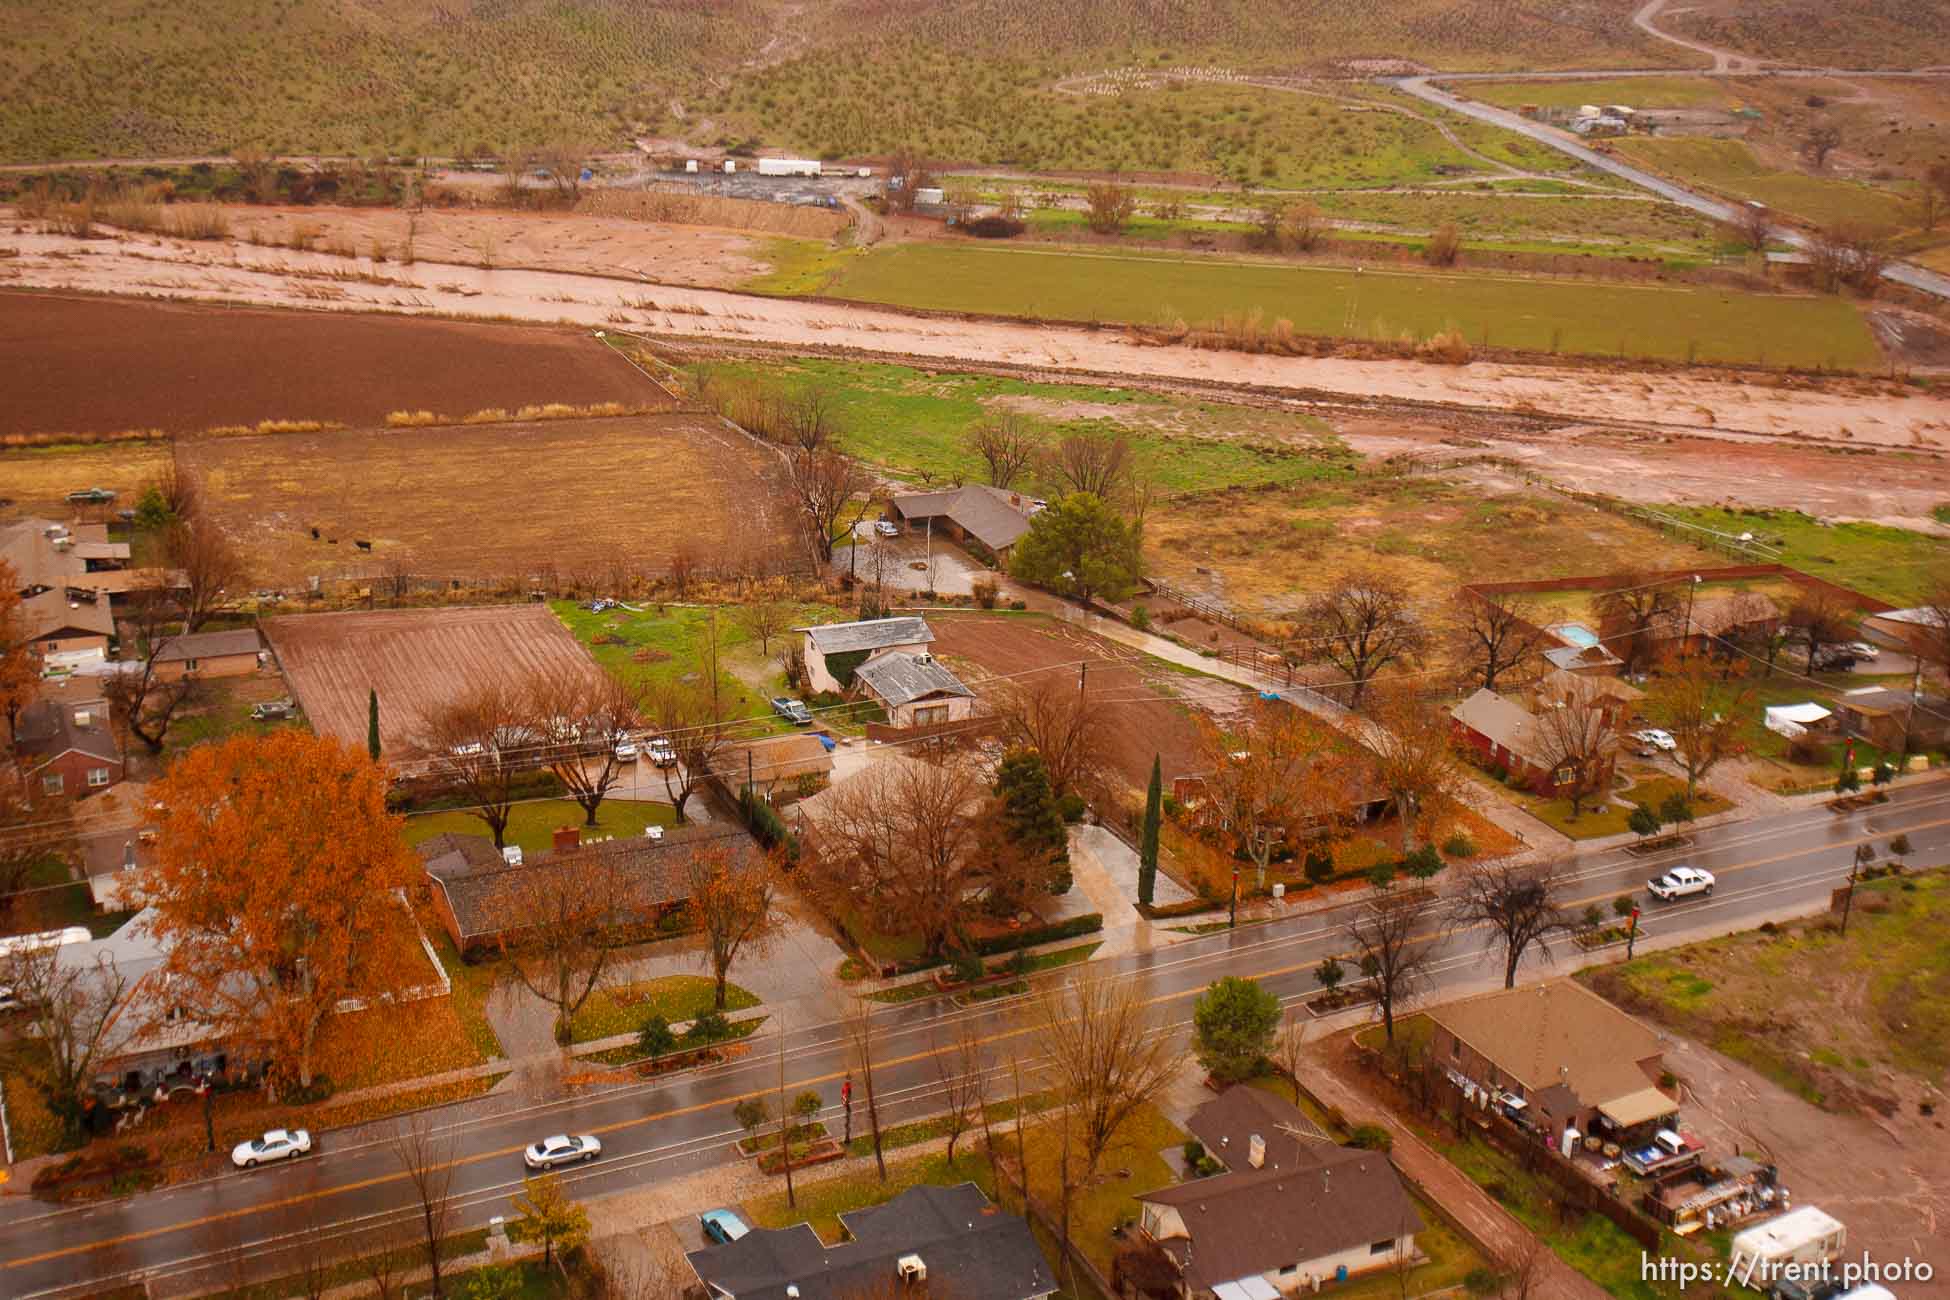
1459	846
1072	807
1593	918
1444	246
1319	865
495	1282
1329	973
767	825
1233	1024
1371	1137
984	590
655	1038
320	1090
966	967
1447	347
1193	1151
1423	862
708	1028
1089	923
675	921
1140	618
1623	905
1481	1281
1018	604
1209	1168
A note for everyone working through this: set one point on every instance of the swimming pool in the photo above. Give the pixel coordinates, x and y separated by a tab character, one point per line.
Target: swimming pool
1576	634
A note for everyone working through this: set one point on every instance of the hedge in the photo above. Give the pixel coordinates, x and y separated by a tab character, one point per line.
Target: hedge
1185	907
1088	923
767	825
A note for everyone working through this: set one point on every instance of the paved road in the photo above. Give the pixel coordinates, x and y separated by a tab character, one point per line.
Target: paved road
1773	867
1904	273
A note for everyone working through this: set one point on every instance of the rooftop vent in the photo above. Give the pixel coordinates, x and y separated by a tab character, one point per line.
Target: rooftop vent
512	855
1256	1152
910	1269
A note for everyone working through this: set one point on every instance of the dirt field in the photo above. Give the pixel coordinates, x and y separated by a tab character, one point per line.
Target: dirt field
415	659
490	500
1146	704
580	242
95	365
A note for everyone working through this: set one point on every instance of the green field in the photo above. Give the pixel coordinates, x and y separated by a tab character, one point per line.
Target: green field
1639	92
533	825
1507	311
911	422
1732	168
1893	564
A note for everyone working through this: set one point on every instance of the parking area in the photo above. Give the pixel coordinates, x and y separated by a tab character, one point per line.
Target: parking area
908	563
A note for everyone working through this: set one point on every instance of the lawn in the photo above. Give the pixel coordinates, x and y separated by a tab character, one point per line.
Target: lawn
1506	311
626	1008
1893	564
1814	1034
1131	1167
220	709
473	985
533	825
1609	818
912	422
1733	168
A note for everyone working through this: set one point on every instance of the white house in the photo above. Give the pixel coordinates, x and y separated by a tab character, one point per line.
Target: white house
836	651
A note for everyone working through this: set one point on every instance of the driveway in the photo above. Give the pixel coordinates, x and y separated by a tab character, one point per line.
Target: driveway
905	563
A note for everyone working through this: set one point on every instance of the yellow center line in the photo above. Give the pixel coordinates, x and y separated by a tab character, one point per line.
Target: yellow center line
829	1077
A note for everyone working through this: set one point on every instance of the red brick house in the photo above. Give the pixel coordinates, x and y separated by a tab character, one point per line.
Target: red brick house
66	747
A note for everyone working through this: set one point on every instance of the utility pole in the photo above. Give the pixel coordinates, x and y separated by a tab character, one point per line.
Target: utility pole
1686	637
1232	923
1632	934
1863	854
1083	674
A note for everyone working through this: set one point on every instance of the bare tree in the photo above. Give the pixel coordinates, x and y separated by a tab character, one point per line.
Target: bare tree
1822	139
1752	225
1415	757
145	699
566	908
691	715
734	904
826	485
1528	1270
1822	617
1707	710
1007	443
767	618
1634	614
1109	208
914	174
480	742
902	839
1495	636
304	1227
580	718
1363	624
20	665
1302	227
206	563
1107	1058
642	1266
1393	951
1099	462
1271	780
1848	255
807	416
396	576
1517	902
861	1055
960	1066
1577	735
386	1267
563	160
73	1008
1060	722
1290	1048
426	1156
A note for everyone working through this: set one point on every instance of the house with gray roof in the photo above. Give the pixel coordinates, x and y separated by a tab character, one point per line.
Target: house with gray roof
916	690
1292	1210
66	748
986	518
836	651
233	653
928	1241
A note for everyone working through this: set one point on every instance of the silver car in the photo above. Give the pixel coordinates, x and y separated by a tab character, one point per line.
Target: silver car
561	1150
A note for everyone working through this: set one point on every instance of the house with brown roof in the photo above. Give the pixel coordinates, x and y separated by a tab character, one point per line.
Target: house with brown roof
233	653
983	518
1894	719
1292	1210
67	748
778	767
1556	1056
480	895
68	627
835	652
1502	733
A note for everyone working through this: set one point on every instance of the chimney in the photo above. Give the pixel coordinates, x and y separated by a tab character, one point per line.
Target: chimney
568	839
1256	1152
128	855
511	854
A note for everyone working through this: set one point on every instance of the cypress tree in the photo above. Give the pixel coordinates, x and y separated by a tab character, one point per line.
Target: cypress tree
372	722
1154	802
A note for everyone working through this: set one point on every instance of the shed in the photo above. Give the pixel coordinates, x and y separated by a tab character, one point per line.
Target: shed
1793	720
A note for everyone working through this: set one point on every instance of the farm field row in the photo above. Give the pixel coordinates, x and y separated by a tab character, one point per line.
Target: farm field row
1504	311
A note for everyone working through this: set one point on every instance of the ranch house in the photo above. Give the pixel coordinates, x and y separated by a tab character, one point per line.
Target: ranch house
835	651
66	748
211	654
915	690
987	520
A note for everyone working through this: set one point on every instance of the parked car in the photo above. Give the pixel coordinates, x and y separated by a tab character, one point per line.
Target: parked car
887	528
626	751
722	1226
662	752
1835	659
272	710
561	1150
1656	738
1863	650
278	1144
1681	882
792	710
94	496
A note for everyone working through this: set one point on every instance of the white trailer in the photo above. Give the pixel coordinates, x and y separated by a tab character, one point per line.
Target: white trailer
690	165
788	167
1798	1242
730	166
929	196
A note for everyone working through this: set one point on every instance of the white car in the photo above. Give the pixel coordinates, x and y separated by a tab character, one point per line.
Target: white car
626	751
887	528
1862	650
1657	739
561	1150
1681	882
278	1144
663	753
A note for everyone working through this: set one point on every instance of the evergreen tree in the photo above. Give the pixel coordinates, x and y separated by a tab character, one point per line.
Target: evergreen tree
1030	815
372	722
1148	843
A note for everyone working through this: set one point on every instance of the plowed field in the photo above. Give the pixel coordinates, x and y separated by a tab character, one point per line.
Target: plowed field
416	659
97	365
624	493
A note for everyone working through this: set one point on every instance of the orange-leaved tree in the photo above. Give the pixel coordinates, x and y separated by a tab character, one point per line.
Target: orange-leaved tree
280	888
20	670
733	902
